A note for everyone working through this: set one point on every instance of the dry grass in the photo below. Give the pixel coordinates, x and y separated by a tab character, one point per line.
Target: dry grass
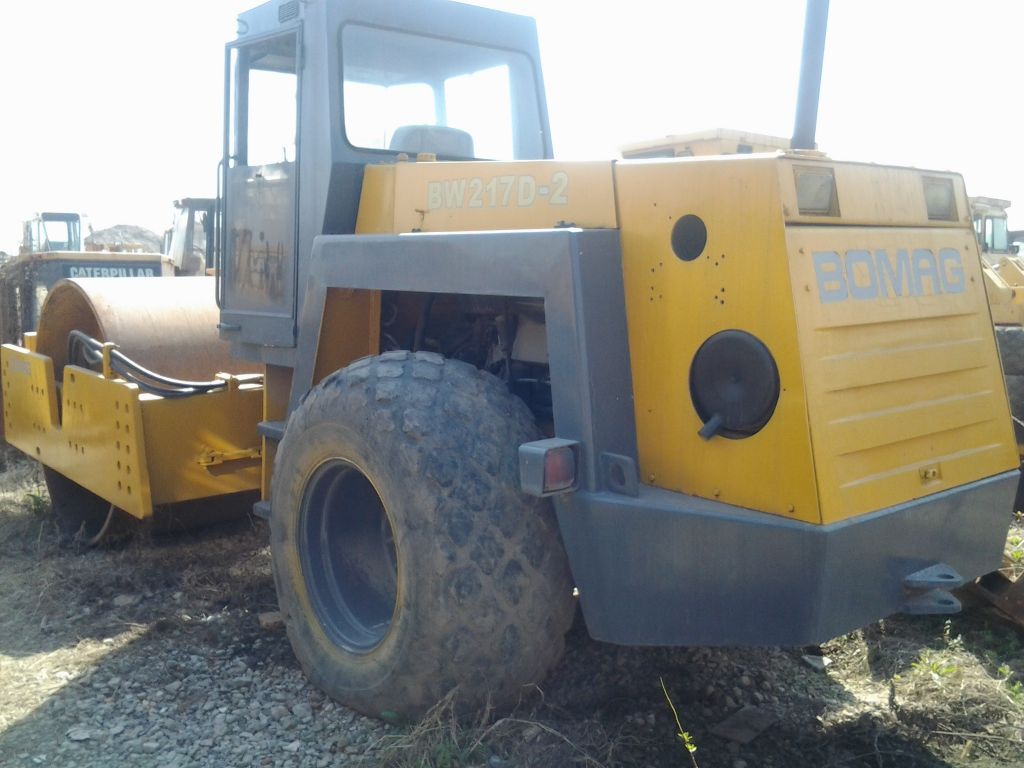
30	579
983	708
955	691
45	585
539	737
24	505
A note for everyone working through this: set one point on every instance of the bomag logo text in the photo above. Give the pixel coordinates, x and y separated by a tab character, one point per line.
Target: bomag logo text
867	275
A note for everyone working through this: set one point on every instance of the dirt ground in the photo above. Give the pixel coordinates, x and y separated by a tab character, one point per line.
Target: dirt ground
132	656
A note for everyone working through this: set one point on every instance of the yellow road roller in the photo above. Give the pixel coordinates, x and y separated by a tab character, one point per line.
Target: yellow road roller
722	400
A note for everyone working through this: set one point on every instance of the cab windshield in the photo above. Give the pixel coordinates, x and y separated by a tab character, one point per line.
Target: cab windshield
416	94
59	232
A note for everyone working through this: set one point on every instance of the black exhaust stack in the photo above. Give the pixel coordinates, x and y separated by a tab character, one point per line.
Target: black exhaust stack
815	24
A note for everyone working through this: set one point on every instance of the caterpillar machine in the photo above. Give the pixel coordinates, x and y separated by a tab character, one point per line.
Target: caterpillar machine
52	248
744	400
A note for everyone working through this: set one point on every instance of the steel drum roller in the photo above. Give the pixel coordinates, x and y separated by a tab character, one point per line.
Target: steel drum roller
168	325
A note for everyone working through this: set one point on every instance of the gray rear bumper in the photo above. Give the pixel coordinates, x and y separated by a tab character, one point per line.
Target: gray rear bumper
668	569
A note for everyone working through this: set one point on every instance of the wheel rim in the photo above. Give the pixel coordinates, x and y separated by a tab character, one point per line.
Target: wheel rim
348	556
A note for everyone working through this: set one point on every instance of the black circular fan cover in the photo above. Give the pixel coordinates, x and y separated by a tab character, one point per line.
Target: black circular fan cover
734	377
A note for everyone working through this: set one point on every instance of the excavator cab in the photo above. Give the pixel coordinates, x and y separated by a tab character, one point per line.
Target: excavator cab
50	231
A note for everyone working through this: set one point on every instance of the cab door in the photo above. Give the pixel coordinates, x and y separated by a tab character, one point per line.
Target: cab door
258	238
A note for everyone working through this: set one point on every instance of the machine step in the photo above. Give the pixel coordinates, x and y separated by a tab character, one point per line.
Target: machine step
272	430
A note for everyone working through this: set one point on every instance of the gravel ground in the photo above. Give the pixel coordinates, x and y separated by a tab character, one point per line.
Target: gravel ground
153	654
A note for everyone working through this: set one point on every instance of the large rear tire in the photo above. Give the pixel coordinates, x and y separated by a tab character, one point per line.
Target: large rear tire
407	561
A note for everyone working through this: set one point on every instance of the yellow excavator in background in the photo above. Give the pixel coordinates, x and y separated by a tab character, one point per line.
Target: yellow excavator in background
1004	273
1004	281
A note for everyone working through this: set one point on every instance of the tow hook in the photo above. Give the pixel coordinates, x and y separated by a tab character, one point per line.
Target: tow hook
928	590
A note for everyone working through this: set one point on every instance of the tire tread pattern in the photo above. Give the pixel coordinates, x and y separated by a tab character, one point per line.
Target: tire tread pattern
490	601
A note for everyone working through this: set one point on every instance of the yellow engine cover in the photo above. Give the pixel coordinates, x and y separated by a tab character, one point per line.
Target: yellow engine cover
888	392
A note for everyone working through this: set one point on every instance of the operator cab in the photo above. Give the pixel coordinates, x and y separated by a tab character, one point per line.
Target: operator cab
990	225
49	232
187	241
315	91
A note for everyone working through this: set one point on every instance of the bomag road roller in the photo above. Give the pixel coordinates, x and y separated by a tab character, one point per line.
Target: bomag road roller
743	400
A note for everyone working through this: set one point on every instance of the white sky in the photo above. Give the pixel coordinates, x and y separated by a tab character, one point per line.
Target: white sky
113	107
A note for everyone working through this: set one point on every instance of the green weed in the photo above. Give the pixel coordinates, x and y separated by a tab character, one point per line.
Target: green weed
1014	688
683	736
935	668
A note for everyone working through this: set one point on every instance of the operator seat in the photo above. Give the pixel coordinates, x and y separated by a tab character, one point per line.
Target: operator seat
437	139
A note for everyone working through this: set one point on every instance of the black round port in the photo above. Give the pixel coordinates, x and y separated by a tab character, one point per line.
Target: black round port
689	236
734	384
